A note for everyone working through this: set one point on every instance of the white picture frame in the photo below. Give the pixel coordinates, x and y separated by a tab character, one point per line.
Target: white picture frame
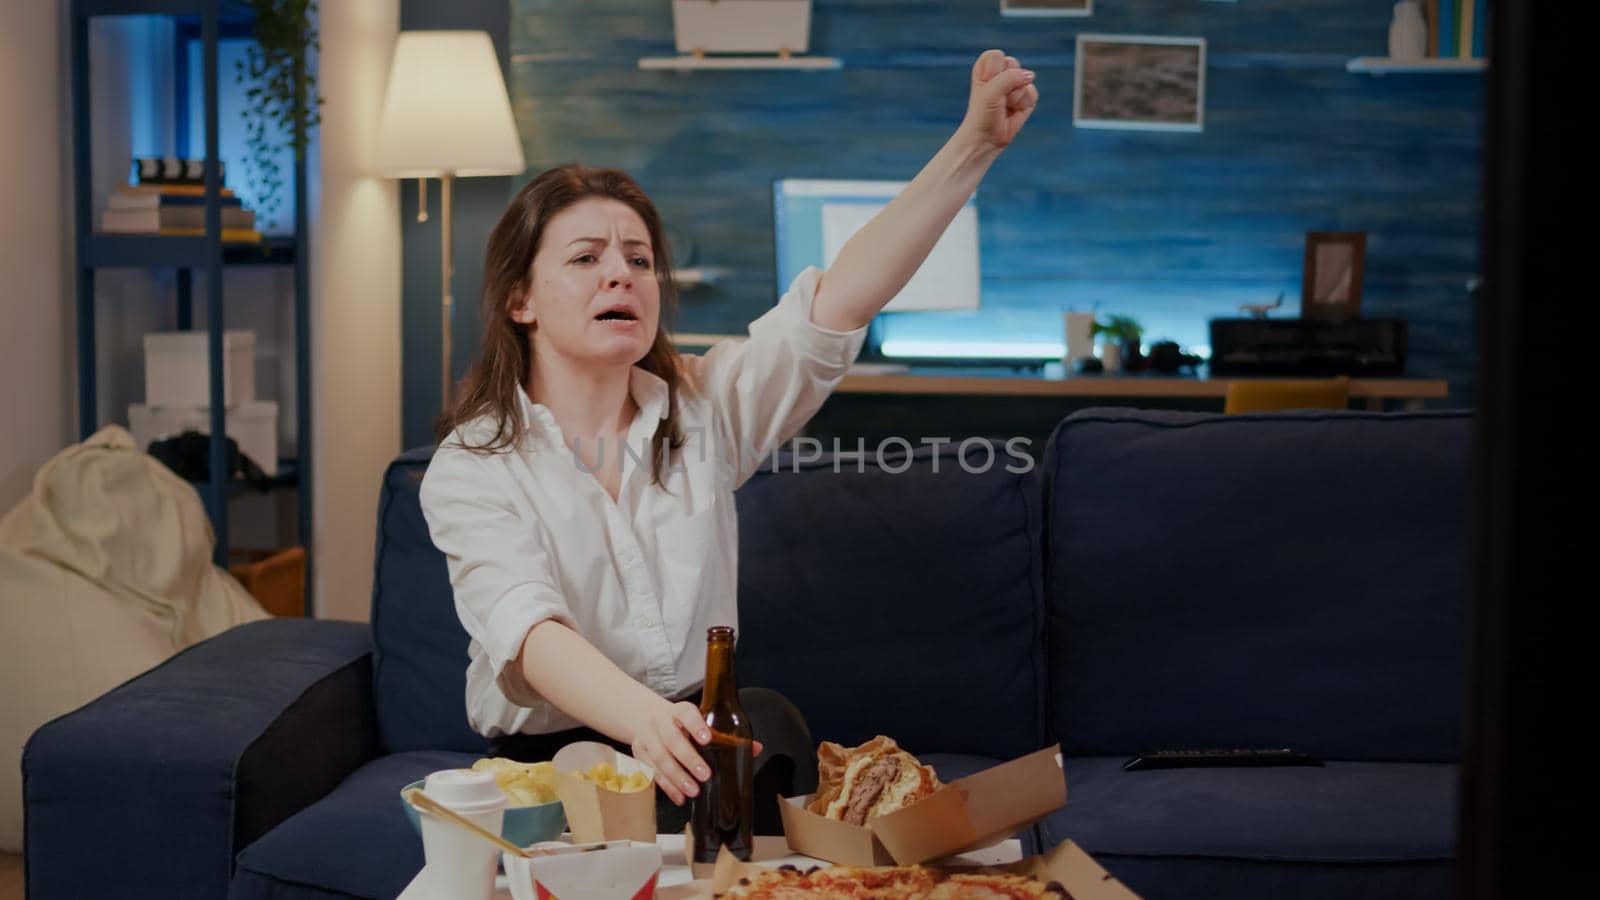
1139	82
1058	8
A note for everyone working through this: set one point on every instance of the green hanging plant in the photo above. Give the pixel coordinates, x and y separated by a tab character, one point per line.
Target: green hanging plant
1119	328
280	110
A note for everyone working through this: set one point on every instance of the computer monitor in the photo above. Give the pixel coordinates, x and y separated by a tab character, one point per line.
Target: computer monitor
814	217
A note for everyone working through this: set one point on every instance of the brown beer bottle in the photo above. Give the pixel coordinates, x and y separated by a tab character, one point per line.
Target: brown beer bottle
723	812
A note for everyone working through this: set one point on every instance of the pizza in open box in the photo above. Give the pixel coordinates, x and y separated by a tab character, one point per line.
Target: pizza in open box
888	883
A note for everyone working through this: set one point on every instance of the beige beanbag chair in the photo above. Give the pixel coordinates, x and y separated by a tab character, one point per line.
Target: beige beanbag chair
105	571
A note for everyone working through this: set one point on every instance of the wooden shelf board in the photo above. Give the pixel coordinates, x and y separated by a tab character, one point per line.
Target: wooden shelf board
1149	386
1381	65
686	63
227	9
183	252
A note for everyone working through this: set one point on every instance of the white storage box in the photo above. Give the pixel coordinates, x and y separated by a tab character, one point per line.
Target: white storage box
176	371
253	425
741	26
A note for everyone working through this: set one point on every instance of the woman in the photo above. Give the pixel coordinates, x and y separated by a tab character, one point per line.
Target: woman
583	487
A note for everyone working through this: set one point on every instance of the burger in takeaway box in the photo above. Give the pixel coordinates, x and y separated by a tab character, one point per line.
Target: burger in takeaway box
876	804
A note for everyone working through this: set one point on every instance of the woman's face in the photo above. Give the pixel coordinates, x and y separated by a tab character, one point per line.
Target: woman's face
592	294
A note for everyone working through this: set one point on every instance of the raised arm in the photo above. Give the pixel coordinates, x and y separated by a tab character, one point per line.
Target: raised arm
880	258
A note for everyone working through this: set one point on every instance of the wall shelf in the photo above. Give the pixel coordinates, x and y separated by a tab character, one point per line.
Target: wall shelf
1382	65
697	276
688	63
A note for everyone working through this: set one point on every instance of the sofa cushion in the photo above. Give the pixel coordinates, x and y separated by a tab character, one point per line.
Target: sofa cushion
905	603
1374	822
1184	878
354	842
1284	579
419	658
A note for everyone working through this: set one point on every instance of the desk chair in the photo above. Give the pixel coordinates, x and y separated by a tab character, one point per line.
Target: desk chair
1258	396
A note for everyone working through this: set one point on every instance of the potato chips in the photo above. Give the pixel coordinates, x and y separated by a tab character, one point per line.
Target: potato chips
527	784
605	775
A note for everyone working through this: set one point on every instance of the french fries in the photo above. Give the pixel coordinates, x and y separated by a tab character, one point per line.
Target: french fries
526	784
605	775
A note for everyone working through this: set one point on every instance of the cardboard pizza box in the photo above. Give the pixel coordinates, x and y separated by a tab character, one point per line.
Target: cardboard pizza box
1066	863
973	812
595	813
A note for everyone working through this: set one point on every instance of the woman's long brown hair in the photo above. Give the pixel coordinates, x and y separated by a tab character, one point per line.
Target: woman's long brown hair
506	360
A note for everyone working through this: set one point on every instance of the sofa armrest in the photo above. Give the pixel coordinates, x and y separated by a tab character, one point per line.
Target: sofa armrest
172	773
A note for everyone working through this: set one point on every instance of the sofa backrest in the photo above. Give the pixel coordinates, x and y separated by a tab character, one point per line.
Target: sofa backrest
1272	580
906	603
419	658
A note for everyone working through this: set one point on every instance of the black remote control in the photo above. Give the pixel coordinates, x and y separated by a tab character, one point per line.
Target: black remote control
1185	759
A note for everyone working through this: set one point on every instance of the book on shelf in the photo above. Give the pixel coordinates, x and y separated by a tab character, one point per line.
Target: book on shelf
229	235
1464	28
127	200
1480	29
171	190
1430	12
171	170
1449	18
157	218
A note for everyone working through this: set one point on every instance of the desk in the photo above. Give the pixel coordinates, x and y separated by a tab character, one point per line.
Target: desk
952	404
1370	391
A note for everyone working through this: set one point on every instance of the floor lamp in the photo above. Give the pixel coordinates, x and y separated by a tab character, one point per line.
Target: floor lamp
446	115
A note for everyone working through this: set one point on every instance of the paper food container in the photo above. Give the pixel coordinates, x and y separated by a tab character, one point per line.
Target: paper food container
766	847
625	872
1066	863
973	812
595	813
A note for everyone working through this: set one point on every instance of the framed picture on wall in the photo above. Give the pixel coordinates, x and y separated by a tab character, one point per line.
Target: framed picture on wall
1046	7
1331	286
1140	83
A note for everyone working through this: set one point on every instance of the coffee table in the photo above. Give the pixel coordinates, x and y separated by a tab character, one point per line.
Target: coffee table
677	881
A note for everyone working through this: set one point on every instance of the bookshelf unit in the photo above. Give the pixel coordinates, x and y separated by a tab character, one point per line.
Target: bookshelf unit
207	22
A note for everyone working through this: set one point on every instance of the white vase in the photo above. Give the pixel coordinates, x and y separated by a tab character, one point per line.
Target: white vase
1079	328
1408	33
1111	357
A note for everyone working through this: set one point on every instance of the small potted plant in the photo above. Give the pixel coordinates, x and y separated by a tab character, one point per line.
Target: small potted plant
1123	333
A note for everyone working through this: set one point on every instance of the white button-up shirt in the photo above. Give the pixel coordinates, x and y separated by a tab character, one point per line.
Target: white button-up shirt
530	535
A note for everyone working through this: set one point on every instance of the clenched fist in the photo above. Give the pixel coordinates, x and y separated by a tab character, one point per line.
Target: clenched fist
1003	97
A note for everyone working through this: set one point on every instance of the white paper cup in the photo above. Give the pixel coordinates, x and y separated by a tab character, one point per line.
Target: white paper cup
461	864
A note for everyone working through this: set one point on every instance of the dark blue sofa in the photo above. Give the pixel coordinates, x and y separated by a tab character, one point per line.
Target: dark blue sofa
1161	580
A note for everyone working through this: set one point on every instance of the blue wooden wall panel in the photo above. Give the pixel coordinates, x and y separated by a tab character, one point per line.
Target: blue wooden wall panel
1172	228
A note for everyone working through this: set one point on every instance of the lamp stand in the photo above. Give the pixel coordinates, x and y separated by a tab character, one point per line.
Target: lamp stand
446	302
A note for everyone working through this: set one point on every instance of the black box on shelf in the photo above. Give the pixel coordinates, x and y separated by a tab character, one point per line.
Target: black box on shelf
1307	347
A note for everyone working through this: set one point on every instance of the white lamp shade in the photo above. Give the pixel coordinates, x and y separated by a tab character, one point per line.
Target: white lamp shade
446	110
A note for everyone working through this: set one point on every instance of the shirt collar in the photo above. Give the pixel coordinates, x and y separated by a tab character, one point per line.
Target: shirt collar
650	394
648	390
